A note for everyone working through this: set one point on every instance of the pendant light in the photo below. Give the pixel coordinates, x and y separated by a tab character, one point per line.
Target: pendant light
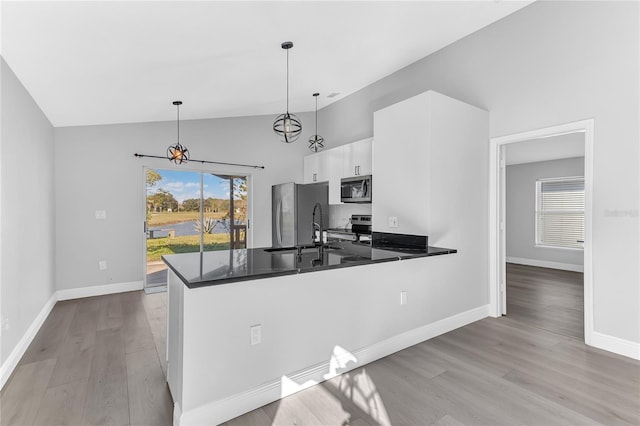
287	126
316	142
178	153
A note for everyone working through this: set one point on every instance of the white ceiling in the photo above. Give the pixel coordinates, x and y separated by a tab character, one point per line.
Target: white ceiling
114	62
557	147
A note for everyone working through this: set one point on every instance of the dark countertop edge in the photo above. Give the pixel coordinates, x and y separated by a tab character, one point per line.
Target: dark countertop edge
401	256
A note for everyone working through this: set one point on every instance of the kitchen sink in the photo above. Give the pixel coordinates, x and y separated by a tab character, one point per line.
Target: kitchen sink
303	249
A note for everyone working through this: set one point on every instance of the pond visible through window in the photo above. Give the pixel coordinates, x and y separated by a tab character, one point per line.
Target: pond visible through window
190	211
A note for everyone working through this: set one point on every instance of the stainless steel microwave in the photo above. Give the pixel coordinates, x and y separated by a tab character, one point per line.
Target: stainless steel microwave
355	189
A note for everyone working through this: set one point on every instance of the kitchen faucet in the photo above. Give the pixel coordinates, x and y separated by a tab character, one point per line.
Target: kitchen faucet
317	225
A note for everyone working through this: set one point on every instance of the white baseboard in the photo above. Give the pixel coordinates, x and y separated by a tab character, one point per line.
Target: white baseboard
75	293
16	354
99	290
546	264
220	411
616	345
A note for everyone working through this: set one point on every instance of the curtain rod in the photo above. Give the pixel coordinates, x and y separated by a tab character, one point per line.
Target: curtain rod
202	161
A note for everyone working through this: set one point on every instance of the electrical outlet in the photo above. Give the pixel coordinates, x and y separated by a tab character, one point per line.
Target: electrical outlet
256	334
5	324
102	265
393	221
101	214
403	297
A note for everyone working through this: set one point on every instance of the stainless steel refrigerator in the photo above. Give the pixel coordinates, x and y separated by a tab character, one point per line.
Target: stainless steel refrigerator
292	209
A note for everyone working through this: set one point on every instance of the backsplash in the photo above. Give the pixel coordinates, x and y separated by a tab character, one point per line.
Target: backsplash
339	214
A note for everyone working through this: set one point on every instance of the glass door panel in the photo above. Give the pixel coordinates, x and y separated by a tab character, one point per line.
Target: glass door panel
190	211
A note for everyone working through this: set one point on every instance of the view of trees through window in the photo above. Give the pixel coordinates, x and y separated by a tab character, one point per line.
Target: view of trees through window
173	200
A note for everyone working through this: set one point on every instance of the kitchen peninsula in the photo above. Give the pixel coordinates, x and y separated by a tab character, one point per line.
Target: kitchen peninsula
227	266
249	326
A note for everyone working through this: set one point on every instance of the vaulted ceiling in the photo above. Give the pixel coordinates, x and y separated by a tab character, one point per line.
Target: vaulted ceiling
105	62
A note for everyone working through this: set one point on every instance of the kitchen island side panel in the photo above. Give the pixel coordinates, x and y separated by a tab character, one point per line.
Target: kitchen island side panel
306	320
175	335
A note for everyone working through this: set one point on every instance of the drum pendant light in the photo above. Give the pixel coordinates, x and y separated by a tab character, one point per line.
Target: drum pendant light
287	126
178	153
316	142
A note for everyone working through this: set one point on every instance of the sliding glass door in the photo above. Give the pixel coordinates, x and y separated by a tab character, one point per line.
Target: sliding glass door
189	211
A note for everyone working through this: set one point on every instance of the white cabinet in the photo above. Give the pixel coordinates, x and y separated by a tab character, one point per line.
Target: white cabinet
431	172
334	158
316	167
325	166
357	158
354	159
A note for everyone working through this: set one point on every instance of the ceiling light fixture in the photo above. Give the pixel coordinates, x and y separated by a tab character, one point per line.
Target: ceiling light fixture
287	126
178	153
316	142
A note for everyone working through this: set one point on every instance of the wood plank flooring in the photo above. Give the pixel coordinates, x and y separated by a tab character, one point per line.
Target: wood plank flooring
492	372
95	361
100	361
550	299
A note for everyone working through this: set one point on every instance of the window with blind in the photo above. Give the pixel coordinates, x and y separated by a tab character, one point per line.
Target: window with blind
560	212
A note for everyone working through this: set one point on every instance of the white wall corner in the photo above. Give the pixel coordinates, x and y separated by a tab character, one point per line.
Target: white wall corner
177	413
14	357
616	345
220	411
99	290
546	264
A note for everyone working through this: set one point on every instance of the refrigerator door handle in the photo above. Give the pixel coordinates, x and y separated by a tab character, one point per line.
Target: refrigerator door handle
279	221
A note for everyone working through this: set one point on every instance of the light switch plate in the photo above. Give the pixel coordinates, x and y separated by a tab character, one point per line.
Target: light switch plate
256	334
102	265
393	221
403	297
101	214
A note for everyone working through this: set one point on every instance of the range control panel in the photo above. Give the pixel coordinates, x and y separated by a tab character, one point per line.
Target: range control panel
361	219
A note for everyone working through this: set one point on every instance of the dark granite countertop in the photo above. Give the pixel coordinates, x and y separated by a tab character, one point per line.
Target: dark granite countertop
227	266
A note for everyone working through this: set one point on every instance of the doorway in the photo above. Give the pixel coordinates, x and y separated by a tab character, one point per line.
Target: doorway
191	211
497	215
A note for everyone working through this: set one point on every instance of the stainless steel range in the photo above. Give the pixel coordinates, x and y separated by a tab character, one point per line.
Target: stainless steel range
360	230
361	225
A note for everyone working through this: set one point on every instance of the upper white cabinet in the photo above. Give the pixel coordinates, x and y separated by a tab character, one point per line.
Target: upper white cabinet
354	159
357	158
316	167
334	159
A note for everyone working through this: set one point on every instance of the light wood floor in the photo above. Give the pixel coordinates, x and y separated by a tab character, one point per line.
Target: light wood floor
550	299
96	361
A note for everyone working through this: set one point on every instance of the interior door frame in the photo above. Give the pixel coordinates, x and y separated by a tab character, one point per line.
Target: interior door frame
497	209
223	170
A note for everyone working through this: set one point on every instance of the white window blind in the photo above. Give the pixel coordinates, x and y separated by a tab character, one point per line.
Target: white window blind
560	212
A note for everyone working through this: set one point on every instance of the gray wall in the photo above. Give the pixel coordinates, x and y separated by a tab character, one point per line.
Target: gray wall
27	225
547	64
521	204
550	63
99	172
